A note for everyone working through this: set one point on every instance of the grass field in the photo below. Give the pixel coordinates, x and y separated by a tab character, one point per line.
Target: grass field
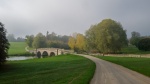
133	50
65	69
17	48
141	65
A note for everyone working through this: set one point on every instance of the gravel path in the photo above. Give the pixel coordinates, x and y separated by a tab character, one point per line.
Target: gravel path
109	73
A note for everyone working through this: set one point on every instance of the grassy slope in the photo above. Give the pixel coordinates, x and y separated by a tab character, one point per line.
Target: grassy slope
133	50
55	70
141	65
17	48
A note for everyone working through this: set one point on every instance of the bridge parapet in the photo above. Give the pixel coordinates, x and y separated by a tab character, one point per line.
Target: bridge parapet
42	52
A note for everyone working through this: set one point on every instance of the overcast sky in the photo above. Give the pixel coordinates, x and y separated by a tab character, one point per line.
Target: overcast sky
26	17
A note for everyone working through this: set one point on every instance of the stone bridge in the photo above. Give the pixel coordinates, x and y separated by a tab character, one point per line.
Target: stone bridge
43	52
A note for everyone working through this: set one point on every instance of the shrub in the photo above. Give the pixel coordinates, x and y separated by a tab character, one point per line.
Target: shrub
144	44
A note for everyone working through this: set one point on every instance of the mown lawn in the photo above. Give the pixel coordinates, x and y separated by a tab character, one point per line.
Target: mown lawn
141	65
17	48
62	69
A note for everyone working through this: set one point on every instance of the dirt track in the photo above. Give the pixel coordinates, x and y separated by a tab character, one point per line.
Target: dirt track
109	73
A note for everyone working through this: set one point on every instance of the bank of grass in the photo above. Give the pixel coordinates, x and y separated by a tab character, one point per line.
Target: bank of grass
18	49
64	69
141	65
133	50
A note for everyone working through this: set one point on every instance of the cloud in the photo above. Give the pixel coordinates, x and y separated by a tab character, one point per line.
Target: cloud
23	17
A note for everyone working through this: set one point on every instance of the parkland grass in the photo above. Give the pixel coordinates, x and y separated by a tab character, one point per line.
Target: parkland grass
17	48
63	69
133	50
141	65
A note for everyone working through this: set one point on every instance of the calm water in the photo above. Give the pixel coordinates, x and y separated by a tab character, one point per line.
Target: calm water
13	58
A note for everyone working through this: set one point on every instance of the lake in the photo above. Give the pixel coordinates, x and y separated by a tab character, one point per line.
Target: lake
13	58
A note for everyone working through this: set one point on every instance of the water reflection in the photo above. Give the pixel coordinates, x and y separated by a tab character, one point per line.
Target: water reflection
13	58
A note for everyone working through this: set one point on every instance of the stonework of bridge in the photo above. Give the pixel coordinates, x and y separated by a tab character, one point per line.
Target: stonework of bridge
43	52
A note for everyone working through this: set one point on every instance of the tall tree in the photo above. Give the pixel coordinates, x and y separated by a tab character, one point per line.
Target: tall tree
107	36
4	44
136	37
29	40
90	36
72	42
39	41
80	42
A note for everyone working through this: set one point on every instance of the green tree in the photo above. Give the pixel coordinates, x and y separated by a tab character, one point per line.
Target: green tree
144	44
29	40
136	37
108	36
4	44
90	38
39	41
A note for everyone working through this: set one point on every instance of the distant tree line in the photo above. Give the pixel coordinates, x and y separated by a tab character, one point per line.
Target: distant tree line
141	42
51	40
11	38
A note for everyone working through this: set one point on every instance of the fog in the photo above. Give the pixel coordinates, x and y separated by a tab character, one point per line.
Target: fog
64	17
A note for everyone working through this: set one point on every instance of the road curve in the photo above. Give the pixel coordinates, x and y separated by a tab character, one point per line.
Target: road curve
109	73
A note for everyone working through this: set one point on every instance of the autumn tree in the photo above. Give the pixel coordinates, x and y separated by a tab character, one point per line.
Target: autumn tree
77	42
71	42
80	42
4	44
107	37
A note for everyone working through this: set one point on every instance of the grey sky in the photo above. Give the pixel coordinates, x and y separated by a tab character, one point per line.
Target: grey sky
26	17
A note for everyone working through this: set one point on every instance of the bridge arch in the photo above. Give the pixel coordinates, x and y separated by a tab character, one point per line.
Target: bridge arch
52	54
45	54
39	54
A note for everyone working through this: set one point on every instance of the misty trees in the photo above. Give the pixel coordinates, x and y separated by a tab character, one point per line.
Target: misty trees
4	44
135	38
11	38
107	37
50	40
39	41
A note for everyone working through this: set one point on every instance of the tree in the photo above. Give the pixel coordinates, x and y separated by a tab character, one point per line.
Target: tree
39	41
29	40
71	42
136	37
80	42
90	38
11	38
4	44
144	44
20	39
107	37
